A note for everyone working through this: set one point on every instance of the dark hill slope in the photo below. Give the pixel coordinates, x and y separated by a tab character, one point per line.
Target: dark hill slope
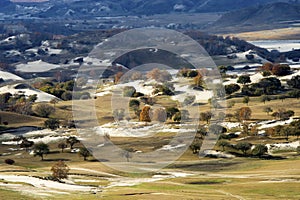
270	14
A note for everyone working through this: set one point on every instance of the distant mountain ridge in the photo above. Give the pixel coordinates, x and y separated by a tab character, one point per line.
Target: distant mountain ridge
274	13
91	8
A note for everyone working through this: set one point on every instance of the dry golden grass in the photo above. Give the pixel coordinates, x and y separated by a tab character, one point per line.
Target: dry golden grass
18	120
275	34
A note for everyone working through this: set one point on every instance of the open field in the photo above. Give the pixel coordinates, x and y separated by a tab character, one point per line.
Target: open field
274	34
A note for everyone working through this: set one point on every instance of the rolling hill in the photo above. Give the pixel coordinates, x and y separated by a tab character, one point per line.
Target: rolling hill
276	14
91	8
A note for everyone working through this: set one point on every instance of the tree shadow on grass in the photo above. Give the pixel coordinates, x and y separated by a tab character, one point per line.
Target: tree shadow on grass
56	159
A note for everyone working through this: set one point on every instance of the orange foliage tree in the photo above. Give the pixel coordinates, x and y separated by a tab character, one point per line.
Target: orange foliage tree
145	114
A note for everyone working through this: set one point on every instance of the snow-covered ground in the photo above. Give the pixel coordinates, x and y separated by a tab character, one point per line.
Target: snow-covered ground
283	146
279	45
41	96
140	86
217	154
231	125
36	66
255	78
46	184
137	129
9	76
123	182
256	57
273	123
186	90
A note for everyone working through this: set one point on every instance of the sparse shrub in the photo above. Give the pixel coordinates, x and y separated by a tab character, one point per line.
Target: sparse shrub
128	91
223	144
84	152
9	161
159	115
171	111
52	124
62	146
44	110
206	116
196	146
159	75
189	100
243	146
298	150
119	114
259	150
67	96
72	140
177	117
217	129
294	82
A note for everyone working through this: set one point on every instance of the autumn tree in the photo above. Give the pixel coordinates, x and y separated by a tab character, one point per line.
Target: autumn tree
60	170
145	114
159	75
243	113
198	80
118	77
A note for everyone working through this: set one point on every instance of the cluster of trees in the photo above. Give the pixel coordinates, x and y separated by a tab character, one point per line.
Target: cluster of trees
188	73
41	149
283	114
18	103
290	130
164	89
62	90
294	82
244	147
232	88
159	75
276	69
268	86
